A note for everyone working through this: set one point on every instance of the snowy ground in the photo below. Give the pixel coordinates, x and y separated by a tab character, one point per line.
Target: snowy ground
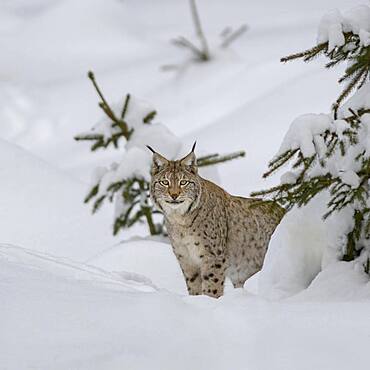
74	297
58	314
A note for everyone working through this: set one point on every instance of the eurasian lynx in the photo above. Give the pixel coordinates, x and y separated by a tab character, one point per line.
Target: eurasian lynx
213	234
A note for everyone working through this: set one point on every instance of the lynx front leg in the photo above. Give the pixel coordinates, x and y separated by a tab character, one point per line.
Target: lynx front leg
192	277
213	276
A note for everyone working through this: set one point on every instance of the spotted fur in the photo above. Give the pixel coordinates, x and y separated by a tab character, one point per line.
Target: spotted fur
213	234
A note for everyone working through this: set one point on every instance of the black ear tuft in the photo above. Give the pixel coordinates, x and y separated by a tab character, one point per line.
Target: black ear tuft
195	143
151	149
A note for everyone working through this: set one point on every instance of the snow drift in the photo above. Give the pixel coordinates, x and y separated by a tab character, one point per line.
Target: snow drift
60	314
41	208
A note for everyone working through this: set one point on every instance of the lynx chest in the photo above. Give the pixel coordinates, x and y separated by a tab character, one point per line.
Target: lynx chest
188	247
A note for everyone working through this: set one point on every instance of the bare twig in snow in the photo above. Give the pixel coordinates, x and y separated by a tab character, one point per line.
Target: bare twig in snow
230	36
198	28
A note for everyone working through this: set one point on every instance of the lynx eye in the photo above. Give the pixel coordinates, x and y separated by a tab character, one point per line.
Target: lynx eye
184	182
164	183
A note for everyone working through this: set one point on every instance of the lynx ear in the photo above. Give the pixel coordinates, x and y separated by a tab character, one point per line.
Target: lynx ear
190	161
158	161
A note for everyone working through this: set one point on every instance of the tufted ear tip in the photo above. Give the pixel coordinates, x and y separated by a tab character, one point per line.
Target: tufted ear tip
190	160
193	147
151	149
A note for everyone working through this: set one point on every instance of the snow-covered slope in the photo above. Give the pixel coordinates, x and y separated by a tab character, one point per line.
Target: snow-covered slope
59	314
148	257
41	208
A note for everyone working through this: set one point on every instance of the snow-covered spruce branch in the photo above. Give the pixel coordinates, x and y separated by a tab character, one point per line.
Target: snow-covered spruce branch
341	47
213	159
130	126
318	149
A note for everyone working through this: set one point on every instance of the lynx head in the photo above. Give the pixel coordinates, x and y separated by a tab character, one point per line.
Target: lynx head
175	186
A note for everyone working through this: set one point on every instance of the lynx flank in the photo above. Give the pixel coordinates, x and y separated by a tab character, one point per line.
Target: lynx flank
213	234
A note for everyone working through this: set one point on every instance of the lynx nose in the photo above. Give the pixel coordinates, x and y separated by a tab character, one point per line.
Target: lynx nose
174	195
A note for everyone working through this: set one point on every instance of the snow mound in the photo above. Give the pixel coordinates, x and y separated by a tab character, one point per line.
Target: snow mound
38	203
303	258
71	270
339	281
150	258
295	252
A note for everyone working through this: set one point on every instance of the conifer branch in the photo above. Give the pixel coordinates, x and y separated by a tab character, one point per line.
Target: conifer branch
125	106
104	103
216	158
306	55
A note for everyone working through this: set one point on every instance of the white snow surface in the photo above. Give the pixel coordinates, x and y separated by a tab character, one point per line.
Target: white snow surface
74	297
42	208
63	315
